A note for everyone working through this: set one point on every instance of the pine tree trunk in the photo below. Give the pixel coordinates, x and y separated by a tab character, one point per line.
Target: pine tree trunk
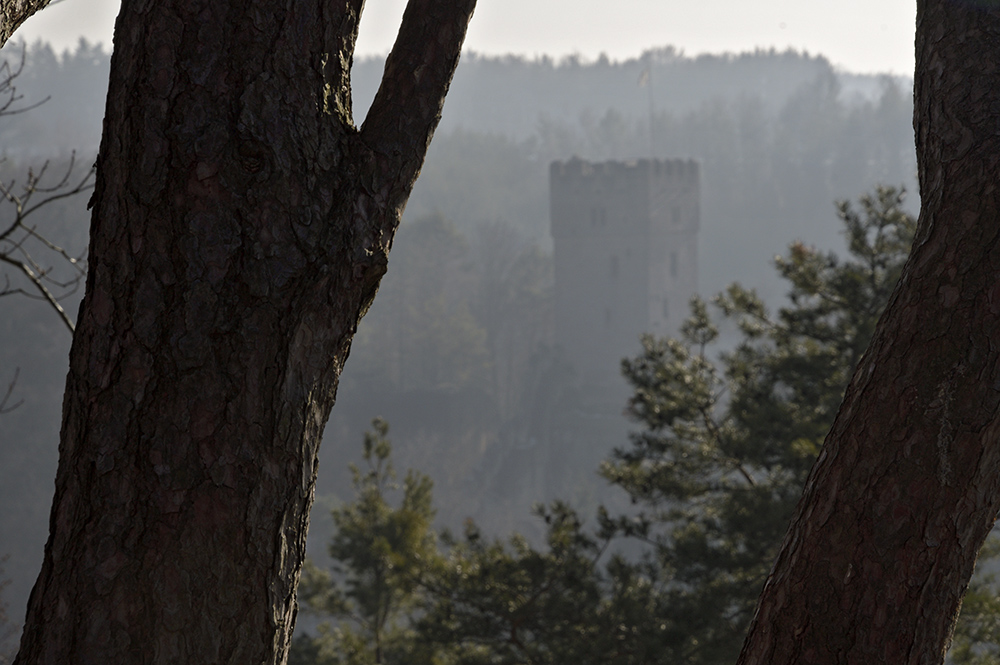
240	228
905	490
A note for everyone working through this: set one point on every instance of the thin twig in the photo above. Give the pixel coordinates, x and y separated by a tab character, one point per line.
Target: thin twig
10	390
46	294
17	233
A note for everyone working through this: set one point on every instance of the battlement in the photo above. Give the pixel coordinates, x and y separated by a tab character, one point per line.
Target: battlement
637	197
607	174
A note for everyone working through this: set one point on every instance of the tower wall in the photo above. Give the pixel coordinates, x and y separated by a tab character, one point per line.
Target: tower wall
625	246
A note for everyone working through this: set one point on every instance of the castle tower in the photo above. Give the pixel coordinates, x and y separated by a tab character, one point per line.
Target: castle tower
625	246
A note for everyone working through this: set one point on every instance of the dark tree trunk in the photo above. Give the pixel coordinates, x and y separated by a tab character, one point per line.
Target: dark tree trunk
905	490
241	225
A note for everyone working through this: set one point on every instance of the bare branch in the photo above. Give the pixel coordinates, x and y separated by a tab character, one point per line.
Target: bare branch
16	238
47	295
8	91
16	235
4	408
85	183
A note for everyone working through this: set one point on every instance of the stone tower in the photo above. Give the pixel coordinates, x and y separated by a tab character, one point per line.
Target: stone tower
625	246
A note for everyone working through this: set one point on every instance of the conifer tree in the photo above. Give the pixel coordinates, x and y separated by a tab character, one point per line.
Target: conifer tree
726	442
379	551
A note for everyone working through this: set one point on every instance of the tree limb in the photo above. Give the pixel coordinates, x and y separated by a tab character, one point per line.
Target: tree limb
4	408
15	236
15	12
341	39
407	107
36	279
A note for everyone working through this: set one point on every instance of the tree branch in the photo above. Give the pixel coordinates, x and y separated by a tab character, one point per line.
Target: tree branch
408	104
341	38
15	12
36	279
17	234
4	408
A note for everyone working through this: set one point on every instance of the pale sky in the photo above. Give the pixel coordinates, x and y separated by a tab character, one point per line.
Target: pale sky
857	35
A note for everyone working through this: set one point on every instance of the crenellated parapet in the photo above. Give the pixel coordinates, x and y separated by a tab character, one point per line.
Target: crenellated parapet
640	196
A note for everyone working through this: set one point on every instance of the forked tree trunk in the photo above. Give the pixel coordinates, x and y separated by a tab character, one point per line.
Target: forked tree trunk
907	485
241	225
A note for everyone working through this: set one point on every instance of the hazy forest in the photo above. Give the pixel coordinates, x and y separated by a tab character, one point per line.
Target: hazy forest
458	353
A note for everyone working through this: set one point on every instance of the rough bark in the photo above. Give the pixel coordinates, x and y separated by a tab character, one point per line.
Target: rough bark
905	490
15	12
241	225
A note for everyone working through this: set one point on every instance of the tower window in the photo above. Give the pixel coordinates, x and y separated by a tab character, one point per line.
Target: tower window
598	217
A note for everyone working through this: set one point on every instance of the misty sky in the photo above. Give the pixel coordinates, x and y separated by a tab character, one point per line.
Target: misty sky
857	35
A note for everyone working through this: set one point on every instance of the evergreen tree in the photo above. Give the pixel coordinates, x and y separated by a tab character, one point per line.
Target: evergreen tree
508	602
380	551
727	440
421	334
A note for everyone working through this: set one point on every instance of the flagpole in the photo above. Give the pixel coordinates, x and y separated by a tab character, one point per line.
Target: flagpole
646	80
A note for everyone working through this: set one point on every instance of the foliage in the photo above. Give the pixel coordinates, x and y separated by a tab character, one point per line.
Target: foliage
455	314
379	551
67	91
507	602
723	110
512	302
420	334
727	441
977	635
396	599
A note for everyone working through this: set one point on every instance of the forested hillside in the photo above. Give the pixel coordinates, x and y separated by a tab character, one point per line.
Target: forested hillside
780	136
457	352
